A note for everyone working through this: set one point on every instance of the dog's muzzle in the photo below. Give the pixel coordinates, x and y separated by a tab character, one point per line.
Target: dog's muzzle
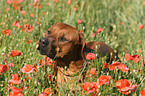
43	43
46	47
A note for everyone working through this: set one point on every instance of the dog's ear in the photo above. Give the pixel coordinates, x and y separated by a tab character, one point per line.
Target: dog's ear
82	45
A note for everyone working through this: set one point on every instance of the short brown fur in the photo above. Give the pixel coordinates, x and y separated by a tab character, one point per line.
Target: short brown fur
67	46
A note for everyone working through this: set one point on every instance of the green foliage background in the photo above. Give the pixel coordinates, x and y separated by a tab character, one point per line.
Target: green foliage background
107	14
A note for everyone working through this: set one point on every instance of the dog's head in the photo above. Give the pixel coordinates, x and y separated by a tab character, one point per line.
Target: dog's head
61	40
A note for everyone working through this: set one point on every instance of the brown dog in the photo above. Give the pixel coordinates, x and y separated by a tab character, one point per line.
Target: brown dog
67	46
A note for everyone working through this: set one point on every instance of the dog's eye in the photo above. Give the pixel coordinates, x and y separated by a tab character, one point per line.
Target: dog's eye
48	32
63	39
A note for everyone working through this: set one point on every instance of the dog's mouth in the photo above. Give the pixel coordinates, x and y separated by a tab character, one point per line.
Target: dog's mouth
44	50
41	49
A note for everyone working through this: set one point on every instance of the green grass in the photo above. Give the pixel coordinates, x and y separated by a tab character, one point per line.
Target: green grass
107	14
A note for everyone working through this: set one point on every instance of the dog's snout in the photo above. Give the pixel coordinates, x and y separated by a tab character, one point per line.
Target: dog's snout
43	41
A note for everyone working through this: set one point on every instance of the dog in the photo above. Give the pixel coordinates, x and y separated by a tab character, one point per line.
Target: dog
67	47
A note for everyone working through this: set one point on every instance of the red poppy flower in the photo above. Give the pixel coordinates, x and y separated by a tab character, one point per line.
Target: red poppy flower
41	63
90	87
122	23
16	4
68	2
36	0
7	32
128	57
93	71
32	15
95	94
2	54
16	7
93	34
135	58
15	79
143	63
104	79
124	86
119	65
48	62
43	94
139	41
39	6
86	85
46	92
17	24
16	92
24	21
17	1
9	1
75	9
106	65
18	53
23	12
28	41
81	31
133	88
3	68
15	53
44	13
99	30
139	50
56	1
49	77
142	92
91	56
28	27
38	23
79	21
141	26
28	69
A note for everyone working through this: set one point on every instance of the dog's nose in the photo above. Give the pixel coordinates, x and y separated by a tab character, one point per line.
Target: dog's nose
43	41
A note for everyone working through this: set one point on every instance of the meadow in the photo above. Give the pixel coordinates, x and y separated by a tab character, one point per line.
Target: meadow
24	72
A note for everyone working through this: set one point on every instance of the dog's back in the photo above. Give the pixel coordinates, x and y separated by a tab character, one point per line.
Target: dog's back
101	50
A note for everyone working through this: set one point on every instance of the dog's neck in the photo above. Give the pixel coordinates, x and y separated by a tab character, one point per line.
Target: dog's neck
74	60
